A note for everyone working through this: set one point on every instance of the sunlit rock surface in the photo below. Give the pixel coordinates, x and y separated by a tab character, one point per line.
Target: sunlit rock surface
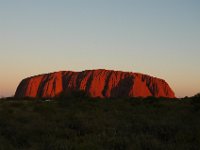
95	83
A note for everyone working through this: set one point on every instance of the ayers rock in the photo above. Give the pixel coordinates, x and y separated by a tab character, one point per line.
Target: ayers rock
96	83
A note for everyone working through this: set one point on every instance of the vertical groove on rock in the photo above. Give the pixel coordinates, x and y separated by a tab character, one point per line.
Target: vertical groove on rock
106	84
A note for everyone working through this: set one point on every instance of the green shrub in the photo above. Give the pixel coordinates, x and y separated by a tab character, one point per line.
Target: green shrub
108	124
72	94
197	95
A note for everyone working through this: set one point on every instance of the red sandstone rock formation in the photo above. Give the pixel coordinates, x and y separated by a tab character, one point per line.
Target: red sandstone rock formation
96	83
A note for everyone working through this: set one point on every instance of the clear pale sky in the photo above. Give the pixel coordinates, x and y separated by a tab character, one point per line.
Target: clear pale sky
156	37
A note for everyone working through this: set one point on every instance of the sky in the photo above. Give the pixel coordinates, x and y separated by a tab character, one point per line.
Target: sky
156	37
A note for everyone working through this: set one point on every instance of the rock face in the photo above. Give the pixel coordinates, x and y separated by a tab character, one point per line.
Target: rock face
95	83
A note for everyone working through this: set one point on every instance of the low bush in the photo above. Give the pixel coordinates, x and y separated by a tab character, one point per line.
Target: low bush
73	123
72	94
